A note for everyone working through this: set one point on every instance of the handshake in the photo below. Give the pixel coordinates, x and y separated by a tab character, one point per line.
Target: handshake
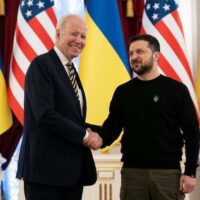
93	141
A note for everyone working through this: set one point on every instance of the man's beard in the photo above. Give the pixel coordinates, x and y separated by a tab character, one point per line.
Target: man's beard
144	68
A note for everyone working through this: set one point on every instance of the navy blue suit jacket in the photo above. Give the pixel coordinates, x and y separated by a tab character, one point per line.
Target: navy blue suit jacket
52	152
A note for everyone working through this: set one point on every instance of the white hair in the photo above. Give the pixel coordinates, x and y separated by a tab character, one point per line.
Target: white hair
65	19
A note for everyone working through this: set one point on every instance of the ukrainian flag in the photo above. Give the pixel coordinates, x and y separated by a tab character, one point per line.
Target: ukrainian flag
103	63
5	115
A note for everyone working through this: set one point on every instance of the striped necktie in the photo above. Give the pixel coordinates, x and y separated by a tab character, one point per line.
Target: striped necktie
72	77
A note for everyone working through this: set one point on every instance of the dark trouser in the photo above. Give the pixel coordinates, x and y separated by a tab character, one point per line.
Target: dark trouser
34	191
150	184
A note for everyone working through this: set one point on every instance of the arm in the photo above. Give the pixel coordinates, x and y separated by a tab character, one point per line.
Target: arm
113	125
190	127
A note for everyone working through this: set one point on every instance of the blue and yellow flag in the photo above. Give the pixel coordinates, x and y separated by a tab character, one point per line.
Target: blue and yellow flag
5	115
104	63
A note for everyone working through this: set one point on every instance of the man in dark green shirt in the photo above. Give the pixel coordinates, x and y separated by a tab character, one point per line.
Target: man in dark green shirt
158	118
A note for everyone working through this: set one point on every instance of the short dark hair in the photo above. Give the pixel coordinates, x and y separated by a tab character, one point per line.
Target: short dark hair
154	45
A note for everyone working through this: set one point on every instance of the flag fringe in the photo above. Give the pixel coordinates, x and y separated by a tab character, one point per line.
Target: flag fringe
2	7
129	8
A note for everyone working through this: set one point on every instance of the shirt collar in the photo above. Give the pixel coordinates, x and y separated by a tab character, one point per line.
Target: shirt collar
62	57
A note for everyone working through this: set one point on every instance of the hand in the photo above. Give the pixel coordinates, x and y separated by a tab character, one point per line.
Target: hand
187	183
93	141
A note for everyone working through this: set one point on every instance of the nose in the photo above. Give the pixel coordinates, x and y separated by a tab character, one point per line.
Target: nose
78	40
132	55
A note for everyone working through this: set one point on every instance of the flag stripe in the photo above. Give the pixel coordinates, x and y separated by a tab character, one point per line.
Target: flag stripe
16	89
14	104
25	45
168	36
168	70
52	16
176	28
48	28
19	75
20	57
41	32
176	17
166	67
31	36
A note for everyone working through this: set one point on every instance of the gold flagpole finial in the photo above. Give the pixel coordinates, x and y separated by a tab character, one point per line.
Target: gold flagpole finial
2	7
129	8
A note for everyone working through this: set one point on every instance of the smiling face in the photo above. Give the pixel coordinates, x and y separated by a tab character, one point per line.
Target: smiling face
141	57
71	37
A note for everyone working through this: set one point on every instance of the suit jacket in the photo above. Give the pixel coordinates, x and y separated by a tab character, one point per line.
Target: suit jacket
52	151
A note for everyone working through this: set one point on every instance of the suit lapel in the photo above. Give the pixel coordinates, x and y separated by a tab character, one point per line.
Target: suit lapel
63	74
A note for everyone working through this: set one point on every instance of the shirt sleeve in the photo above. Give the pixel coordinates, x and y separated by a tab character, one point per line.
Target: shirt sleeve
190	127
113	125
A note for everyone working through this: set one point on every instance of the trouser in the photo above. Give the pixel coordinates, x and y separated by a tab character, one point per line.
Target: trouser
150	184
34	191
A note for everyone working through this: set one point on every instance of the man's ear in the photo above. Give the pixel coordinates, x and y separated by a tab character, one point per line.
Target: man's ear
57	33
156	56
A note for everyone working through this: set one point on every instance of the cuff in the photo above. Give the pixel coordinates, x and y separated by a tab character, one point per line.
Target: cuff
86	135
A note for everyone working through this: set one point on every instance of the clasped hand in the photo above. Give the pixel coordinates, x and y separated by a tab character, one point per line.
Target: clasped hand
93	141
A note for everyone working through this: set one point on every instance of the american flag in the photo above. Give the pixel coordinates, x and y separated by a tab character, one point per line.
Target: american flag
34	35
161	19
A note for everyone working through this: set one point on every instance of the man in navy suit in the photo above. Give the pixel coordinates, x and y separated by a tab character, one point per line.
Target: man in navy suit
55	162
